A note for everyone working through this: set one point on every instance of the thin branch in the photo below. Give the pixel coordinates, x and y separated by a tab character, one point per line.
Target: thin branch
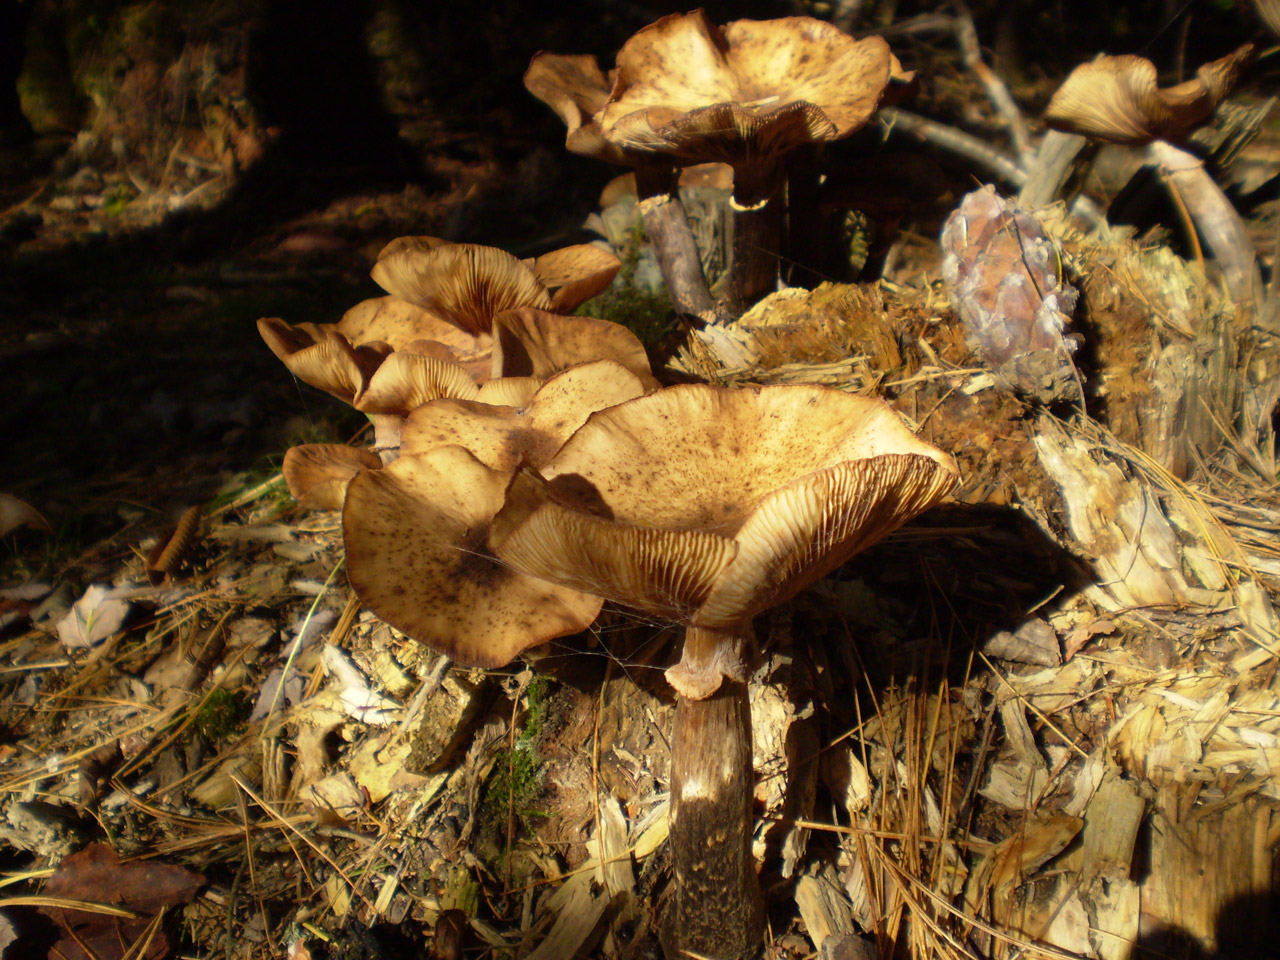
954	141
997	91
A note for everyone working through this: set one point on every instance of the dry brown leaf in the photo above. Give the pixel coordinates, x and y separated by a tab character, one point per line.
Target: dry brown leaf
96	875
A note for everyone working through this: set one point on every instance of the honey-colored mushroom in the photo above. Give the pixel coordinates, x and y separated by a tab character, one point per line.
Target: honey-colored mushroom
1117	100
705	506
745	94
415	535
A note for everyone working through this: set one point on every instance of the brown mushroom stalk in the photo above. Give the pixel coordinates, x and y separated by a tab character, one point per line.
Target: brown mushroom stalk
706	506
1117	100
574	86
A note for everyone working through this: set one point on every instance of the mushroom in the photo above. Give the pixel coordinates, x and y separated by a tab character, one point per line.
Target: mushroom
705	506
415	356
415	537
574	86
745	94
317	474
505	437
469	284
1116	99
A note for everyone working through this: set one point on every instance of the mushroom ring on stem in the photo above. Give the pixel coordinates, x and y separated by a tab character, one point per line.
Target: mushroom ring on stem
706	506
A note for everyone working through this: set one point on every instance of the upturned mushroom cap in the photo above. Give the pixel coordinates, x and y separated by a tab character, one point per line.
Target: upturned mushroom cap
404	326
317	474
574	86
536	343
755	88
469	284
343	358
317	354
505	437
408	380
575	274
708	505
415	535
1116	98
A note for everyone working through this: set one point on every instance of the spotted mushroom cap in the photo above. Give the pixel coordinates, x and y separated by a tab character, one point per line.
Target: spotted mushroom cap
706	505
690	89
1117	99
415	534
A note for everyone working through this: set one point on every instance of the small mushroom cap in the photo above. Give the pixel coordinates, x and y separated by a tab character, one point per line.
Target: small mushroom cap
317	354
756	88
464	282
1116	98
708	505
402	324
536	343
317	474
415	535
408	380
575	274
574	86
505	437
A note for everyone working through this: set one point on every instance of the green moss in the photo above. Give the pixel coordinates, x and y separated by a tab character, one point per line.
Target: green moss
222	715
515	782
646	313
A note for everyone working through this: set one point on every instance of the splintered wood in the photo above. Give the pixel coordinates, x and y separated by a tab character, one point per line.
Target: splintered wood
1120	740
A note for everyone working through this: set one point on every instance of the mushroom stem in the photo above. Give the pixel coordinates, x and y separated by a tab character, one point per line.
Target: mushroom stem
757	233
666	224
1214	216
386	435
719	911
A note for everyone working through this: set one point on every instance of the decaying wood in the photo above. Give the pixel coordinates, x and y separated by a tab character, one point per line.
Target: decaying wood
1208	886
1117	522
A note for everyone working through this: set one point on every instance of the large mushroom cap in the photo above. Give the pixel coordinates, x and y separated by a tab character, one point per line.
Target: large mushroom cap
415	535
710	504
1117	98
754	88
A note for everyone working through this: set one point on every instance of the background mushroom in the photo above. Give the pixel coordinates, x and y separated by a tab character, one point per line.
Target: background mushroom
1117	100
705	506
745	94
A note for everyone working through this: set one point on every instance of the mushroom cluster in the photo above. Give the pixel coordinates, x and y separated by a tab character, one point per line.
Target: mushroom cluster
527	466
